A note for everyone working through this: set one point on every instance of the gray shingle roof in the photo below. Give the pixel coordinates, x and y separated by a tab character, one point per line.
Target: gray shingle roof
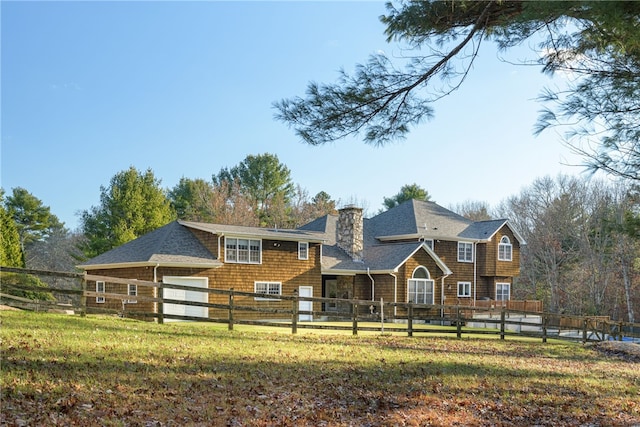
483	230
413	220
419	219
172	244
265	233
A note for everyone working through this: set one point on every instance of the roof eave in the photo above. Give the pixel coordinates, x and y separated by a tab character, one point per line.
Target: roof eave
271	235
401	237
340	272
213	264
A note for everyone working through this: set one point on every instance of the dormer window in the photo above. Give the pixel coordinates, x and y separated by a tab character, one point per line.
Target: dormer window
505	249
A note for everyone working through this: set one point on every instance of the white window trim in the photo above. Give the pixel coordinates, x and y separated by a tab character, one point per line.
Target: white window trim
303	250
504	284
465	252
132	290
466	292
269	285
421	268
99	285
423	282
506	245
235	259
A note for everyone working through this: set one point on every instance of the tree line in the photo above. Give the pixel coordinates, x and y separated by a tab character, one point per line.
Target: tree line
582	252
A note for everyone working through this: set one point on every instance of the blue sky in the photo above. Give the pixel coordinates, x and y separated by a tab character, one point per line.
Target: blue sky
186	88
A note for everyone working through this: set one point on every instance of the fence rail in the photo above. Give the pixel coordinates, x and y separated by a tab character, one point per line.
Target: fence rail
356	315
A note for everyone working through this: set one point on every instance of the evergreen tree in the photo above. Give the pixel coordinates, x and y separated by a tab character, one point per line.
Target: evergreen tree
33	220
132	205
265	181
598	42
192	199
10	249
407	192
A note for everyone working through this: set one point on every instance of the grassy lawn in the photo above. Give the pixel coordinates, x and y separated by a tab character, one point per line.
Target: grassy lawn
67	370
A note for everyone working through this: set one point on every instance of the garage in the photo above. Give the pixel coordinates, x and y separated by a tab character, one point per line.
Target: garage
184	295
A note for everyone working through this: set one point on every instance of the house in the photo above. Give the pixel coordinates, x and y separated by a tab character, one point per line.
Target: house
417	251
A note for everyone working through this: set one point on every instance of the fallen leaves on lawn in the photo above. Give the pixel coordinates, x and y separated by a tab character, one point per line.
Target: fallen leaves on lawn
122	373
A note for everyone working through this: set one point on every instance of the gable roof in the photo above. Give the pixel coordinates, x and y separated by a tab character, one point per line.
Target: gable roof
390	257
172	245
485	230
378	259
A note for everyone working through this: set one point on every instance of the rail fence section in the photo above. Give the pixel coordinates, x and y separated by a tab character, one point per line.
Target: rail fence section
354	315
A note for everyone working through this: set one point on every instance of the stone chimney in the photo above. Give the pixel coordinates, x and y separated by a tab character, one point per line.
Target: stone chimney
350	233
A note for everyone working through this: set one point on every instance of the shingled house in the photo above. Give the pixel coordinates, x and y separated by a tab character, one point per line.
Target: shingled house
417	251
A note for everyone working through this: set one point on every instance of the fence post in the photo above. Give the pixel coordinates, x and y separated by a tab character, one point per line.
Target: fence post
410	319
619	331
458	322
83	298
294	311
545	320
354	328
160	303
231	309
502	321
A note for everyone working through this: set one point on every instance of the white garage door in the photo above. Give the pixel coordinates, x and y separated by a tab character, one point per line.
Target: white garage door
182	295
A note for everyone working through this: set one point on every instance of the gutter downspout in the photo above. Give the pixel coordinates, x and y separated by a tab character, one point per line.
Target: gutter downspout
475	273
155	280
373	286
442	295
395	293
219	237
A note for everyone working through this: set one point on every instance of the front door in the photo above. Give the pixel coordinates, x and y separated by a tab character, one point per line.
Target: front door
305	291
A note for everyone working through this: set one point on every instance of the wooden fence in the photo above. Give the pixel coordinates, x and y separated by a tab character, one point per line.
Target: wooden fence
354	315
519	305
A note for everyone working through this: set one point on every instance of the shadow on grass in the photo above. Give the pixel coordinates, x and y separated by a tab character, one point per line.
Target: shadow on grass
133	373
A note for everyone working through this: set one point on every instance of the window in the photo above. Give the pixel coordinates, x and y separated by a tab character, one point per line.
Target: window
503	291
244	251
464	289
420	291
465	252
504	249
100	289
271	288
303	250
132	291
420	287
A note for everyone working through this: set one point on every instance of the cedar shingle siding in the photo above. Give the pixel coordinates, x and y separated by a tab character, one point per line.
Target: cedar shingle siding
394	246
